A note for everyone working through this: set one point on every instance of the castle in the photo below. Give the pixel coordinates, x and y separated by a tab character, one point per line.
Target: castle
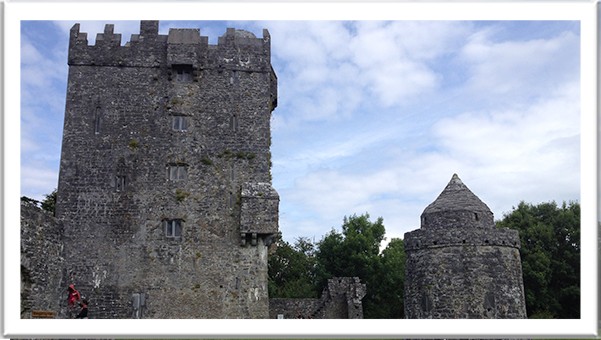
165	207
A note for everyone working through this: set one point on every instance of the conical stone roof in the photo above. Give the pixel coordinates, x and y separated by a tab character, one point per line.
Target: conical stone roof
456	196
457	206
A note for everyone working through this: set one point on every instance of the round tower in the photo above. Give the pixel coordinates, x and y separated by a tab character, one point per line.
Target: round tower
459	265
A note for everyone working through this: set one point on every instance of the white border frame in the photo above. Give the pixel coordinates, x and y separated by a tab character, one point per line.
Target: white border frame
583	11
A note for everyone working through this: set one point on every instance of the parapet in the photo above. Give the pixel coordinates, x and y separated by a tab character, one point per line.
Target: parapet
236	49
458	237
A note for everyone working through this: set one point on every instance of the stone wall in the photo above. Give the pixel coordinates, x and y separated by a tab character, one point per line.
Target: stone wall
340	299
42	262
464	282
161	135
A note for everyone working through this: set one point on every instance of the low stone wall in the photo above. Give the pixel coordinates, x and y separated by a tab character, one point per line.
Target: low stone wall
292	308
340	299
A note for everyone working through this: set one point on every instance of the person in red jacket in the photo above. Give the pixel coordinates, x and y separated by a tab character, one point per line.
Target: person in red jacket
73	299
74	295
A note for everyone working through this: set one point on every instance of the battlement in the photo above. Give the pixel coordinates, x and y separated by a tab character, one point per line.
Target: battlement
236	49
458	237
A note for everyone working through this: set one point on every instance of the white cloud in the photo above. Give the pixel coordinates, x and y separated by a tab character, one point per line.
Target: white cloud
38	180
520	68
385	63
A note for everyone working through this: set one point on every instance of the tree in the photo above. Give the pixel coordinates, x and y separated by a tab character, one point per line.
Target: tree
49	202
354	252
550	254
389	290
291	269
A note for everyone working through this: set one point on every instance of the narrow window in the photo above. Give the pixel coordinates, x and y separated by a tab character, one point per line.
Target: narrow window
120	183
183	73
179	123
177	172
234	123
97	120
173	228
476	216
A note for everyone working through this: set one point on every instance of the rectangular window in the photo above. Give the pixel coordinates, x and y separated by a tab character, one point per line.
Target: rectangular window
120	183
97	121
177	172
183	72
173	228
179	123
234	123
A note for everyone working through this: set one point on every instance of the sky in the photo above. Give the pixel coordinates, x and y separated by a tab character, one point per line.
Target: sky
373	116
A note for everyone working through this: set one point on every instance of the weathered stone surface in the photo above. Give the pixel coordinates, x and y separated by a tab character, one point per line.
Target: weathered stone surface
160	137
42	262
459	265
340	299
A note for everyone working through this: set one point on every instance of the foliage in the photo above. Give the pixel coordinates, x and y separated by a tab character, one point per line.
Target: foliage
356	252
389	291
291	269
49	202
181	195
550	254
29	200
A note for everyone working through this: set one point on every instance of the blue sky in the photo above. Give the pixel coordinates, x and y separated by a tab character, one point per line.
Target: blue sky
373	116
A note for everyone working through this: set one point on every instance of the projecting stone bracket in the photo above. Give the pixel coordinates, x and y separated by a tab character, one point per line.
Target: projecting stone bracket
259	203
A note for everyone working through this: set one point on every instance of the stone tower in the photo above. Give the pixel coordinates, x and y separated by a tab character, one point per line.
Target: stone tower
459	265
165	185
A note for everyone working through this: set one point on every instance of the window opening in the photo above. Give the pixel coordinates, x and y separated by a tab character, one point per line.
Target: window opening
179	123
234	123
183	72
173	228
97	120
119	183
177	172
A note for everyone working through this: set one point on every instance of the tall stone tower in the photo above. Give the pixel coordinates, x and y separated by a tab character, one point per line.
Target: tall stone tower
459	265
165	186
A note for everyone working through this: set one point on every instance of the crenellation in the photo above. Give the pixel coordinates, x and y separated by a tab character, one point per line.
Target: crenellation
424	238
149	28
108	39
236	50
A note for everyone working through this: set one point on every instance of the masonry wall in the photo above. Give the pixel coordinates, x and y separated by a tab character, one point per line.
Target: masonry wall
160	136
42	262
464	280
340	299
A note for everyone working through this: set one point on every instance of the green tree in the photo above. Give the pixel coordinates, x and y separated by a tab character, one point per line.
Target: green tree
354	252
49	202
550	254
291	269
389	290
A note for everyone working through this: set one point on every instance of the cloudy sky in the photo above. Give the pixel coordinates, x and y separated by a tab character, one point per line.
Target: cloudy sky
373	116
